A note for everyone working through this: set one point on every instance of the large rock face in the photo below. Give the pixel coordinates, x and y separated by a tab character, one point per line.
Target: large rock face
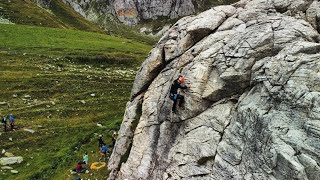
93	10
131	12
253	109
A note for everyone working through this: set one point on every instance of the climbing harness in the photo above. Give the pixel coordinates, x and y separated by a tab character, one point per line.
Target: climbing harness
173	97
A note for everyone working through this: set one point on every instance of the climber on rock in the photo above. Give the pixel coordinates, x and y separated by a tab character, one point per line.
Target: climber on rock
174	95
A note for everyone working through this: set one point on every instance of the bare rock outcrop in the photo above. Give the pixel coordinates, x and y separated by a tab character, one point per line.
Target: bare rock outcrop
93	10
253	109
131	12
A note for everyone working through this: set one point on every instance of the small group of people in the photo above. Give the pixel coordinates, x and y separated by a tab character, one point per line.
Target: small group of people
4	122
103	150
85	161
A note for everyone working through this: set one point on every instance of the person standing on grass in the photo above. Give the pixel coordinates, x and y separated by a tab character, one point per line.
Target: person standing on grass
11	119
114	138
86	158
4	122
103	152
101	142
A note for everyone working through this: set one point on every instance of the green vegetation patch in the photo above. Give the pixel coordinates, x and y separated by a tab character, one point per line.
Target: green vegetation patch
57	15
61	83
72	43
62	101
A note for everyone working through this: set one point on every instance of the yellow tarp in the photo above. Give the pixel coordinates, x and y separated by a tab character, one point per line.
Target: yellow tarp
97	165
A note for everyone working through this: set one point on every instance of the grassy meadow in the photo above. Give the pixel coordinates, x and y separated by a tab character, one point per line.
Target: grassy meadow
60	15
66	42
61	83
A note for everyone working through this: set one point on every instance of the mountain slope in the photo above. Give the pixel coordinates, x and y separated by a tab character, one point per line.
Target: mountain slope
132	12
60	80
58	15
252	111
61	83
66	42
55	13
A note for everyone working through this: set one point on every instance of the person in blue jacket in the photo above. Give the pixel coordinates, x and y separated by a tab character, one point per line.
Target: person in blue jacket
104	151
11	119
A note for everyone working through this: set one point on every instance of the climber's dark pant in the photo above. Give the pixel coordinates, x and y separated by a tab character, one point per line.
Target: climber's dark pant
5	127
175	98
12	125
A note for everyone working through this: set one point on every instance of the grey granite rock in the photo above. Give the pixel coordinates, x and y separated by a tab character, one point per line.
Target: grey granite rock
10	160
131	12
253	109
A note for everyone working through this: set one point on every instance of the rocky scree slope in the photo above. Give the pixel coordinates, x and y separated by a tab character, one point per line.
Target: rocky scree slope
253	110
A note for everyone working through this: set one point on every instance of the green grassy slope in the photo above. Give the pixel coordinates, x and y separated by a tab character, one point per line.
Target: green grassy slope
61	83
63	42
58	15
